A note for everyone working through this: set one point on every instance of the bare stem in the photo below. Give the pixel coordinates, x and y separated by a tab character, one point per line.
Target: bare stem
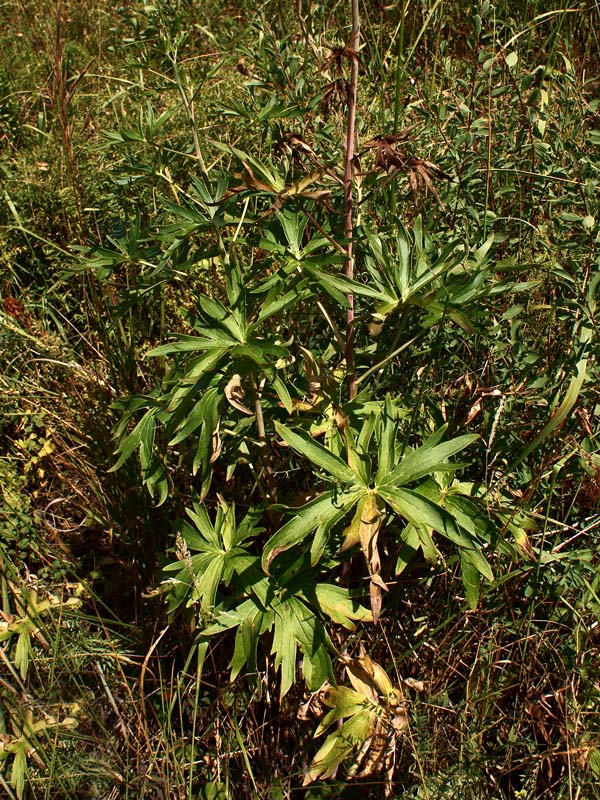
348	199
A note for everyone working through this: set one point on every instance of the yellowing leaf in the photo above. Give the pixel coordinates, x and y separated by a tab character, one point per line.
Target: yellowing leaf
338	746
370	522
382	681
352	532
375	715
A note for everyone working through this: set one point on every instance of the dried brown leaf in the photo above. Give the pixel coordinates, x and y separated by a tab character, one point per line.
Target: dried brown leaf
234	392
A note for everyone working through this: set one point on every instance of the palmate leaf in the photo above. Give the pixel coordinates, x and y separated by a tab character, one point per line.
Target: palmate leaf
258	349
219	555
403	270
206	583
387	431
429	457
19	769
227	618
357	452
325	510
285	648
456	499
134	440
252	620
296	626
317	454
419	510
430	550
203	536
273	182
343	702
310	632
141	438
208	441
276	302
190	383
228	320
409	545
182	585
202	412
246	640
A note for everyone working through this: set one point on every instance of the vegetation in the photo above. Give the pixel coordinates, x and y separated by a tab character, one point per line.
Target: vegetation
300	468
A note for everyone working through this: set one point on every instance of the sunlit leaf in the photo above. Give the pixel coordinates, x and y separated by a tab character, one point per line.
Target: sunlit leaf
429	457
316	454
326	509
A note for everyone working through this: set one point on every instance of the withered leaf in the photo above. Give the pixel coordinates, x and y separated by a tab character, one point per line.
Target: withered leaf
234	392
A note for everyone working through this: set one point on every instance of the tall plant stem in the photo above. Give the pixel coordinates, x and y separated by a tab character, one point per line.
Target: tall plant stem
189	105
267	468
348	196
63	95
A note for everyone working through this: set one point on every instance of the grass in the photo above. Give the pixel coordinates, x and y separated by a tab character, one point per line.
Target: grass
114	126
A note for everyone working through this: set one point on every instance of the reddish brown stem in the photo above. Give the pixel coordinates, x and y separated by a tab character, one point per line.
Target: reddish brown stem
348	196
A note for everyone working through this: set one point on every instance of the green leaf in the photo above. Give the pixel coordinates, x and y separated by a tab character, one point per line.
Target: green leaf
207	583
205	451
409	546
343	702
386	440
430	550
23	652
258	350
204	527
285	648
339	606
471	577
184	343
419	510
428	458
226	619
216	313
19	770
189	383
317	454
319	543
357	452
202	412
283	393
559	415
276	302
246	643
326	509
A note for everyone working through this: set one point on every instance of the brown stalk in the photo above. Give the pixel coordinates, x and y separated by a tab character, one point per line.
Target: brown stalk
348	198
62	96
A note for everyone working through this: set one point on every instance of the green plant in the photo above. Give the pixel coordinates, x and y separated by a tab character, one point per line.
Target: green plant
375	245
